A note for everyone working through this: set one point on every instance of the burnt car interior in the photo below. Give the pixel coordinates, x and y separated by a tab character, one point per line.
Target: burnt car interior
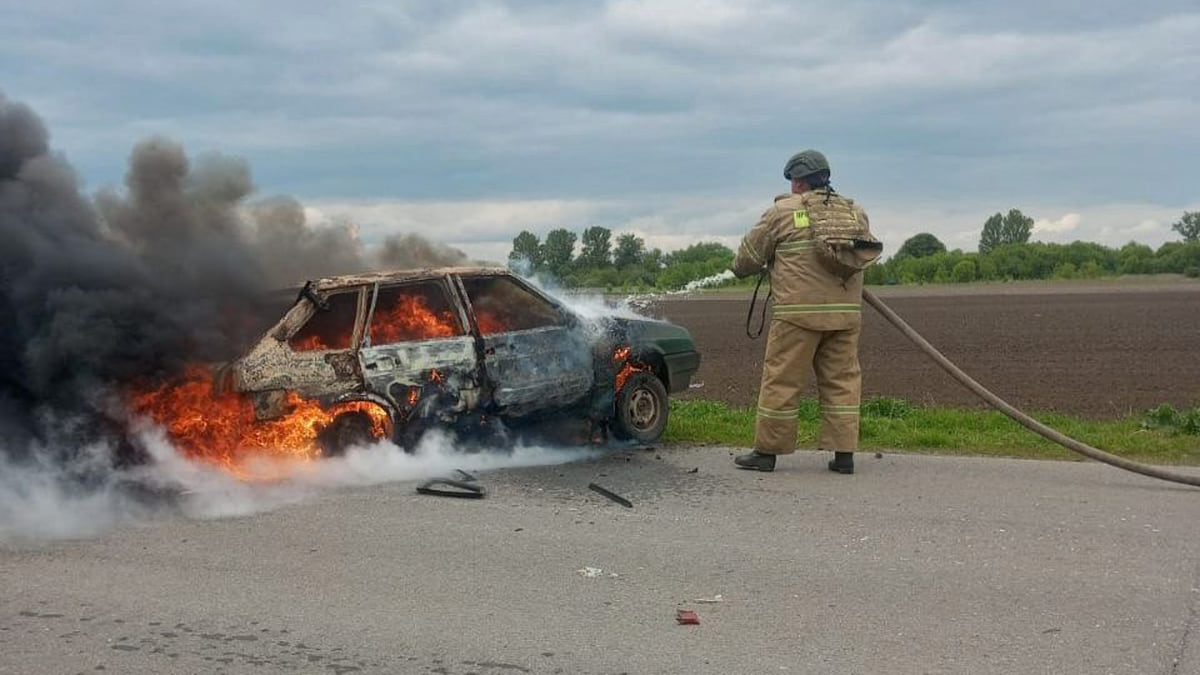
331	328
501	305
414	311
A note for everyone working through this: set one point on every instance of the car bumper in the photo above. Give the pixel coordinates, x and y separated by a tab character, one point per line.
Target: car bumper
680	368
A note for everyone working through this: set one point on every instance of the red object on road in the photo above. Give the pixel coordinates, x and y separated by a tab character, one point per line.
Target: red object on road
687	617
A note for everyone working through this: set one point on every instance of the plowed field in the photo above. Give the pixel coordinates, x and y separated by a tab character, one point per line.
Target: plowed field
1099	350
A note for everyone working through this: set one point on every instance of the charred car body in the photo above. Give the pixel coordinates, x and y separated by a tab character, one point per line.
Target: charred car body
462	348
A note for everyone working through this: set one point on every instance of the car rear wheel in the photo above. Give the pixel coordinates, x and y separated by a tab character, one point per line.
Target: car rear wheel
347	430
642	409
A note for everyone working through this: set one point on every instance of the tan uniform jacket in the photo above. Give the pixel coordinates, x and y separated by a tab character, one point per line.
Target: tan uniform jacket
805	293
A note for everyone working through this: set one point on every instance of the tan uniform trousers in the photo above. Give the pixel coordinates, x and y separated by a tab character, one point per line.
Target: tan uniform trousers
833	357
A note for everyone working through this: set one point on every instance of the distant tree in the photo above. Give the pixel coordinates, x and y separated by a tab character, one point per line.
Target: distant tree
526	250
1017	227
989	238
699	253
1013	227
963	271
921	245
597	248
558	251
1135	258
1188	226
630	249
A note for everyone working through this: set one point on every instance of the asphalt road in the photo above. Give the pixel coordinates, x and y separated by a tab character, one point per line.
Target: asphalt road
914	565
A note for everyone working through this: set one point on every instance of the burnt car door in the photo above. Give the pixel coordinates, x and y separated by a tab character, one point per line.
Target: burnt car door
317	359
415	341
536	354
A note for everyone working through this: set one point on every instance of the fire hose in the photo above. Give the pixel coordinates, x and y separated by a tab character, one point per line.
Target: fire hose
1016	415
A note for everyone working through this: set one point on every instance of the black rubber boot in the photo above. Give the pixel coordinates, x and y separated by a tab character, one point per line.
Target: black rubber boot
755	461
842	462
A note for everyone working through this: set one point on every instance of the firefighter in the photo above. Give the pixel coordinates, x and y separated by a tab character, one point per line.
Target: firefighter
813	243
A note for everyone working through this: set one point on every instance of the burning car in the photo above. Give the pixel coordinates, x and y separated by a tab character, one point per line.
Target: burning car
476	350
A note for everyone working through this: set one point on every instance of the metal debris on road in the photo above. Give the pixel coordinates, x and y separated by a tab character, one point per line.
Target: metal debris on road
710	601
447	487
466	476
611	495
687	617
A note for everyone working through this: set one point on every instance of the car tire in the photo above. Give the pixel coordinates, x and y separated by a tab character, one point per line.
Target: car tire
347	430
642	409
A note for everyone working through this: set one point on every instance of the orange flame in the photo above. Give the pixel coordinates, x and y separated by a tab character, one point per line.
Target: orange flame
222	429
621	355
489	324
311	343
409	318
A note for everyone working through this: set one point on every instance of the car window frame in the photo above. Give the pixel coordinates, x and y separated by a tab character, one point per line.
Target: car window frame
441	280
309	309
570	320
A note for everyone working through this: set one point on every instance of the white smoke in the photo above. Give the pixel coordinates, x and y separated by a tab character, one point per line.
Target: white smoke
42	500
642	301
592	307
37	503
719	277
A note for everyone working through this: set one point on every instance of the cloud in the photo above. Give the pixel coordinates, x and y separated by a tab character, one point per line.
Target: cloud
1065	224
665	116
1148	229
484	229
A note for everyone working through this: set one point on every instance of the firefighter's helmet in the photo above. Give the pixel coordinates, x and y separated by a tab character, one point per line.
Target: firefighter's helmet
805	163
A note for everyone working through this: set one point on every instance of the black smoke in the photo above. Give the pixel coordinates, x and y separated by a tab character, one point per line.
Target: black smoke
97	293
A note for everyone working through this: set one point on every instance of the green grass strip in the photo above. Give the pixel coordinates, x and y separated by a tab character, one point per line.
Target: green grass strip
895	424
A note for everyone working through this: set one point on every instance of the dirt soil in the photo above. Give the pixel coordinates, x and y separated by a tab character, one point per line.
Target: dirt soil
1099	350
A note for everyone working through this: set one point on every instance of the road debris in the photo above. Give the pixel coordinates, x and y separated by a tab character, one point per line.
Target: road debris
595	573
687	617
470	478
611	495
710	601
448	487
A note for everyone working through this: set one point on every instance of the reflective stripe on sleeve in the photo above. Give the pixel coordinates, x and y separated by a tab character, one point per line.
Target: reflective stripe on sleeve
752	253
789	246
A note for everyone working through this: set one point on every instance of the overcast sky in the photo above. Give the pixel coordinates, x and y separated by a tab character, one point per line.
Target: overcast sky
469	121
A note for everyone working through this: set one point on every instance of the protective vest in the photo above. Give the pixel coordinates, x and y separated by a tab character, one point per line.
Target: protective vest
844	242
807	291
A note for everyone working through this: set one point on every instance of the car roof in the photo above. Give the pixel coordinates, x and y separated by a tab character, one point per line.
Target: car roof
368	278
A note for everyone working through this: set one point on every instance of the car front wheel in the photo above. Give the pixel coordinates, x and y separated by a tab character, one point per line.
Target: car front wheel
642	409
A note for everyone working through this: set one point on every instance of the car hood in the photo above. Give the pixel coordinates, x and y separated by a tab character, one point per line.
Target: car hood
668	337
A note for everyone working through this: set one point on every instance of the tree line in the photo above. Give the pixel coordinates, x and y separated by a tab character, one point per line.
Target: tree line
627	265
1005	253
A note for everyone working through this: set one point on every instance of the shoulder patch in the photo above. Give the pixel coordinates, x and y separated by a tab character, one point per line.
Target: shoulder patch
800	218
